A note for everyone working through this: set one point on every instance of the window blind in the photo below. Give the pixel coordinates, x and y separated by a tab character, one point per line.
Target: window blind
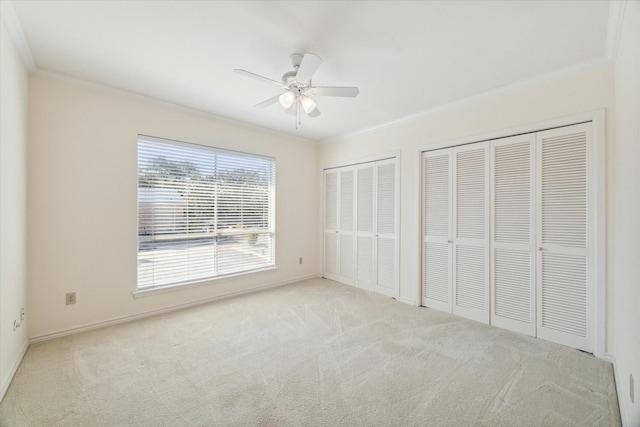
202	212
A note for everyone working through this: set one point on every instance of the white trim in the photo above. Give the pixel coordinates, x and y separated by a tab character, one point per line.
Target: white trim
417	207
85	84
614	28
173	287
588	116
611	358
194	145
598	166
407	301
124	319
597	118
366	159
608	357
13	370
481	97
10	18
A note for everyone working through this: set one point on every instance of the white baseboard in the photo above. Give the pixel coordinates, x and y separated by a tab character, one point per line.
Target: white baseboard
407	301
609	358
612	359
13	371
133	317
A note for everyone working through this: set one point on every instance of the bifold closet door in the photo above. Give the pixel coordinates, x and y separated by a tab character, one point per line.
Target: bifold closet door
564	282
365	209
361	226
386	228
436	229
331	224
346	226
471	231
512	234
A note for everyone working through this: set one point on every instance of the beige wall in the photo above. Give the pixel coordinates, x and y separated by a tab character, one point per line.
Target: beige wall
13	206
82	196
627	214
586	91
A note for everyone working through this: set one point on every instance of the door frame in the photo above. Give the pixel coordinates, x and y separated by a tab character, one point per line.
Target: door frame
596	199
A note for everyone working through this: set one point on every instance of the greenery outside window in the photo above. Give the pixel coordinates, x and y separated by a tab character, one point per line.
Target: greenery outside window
203	213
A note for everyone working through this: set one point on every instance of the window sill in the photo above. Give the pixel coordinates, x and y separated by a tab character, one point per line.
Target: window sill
173	287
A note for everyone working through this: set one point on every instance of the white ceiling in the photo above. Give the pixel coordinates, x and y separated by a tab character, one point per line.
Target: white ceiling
406	57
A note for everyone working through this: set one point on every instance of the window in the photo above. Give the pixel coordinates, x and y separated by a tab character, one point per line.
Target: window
202	213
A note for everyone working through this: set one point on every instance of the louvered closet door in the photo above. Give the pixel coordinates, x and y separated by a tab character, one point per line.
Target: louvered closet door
365	226
386	250
346	227
436	229
471	231
331	224
512	234
564	287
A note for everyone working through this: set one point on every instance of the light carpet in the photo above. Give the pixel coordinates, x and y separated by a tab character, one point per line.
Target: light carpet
312	353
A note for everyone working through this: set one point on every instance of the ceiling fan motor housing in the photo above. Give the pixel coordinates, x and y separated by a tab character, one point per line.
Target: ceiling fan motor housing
289	79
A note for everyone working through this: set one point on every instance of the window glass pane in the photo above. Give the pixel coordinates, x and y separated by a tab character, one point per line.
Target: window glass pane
202	212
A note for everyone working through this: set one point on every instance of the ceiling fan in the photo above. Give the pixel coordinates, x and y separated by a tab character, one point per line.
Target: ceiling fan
298	88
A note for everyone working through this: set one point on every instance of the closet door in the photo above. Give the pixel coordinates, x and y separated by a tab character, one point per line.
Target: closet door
564	285
365	226
386	222
346	226
331	224
436	229
471	231
512	234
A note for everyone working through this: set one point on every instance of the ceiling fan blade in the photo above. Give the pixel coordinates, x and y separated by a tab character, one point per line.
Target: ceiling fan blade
268	102
314	113
258	77
348	92
308	66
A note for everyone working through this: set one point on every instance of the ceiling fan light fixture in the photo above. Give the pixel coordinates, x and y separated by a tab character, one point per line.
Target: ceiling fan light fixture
307	104
297	87
286	99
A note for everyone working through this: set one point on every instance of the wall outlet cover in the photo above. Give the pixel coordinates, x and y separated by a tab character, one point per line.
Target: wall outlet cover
70	298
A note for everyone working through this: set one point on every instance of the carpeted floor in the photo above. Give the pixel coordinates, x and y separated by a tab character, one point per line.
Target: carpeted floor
313	353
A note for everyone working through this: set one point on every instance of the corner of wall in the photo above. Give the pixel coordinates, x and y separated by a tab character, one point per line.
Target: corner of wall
627	216
13	207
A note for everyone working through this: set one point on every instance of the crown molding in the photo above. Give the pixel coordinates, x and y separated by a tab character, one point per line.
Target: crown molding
482	97
614	28
10	19
102	88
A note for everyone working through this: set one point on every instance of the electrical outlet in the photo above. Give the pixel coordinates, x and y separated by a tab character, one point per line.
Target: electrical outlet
70	298
631	387
300	260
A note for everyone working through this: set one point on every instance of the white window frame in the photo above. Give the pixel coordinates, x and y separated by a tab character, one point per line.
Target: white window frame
182	151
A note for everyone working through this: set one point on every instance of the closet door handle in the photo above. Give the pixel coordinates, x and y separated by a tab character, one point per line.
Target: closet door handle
450	241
